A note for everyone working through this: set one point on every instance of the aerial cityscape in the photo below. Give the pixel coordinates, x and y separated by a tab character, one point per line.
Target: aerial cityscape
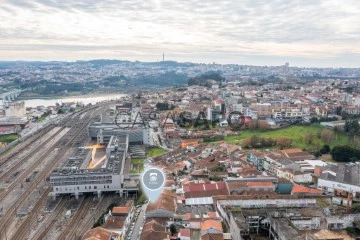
180	120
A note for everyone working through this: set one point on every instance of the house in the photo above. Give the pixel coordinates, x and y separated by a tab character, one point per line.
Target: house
295	176
302	191
344	177
115	224
211	227
100	233
163	207
204	190
155	229
184	234
119	218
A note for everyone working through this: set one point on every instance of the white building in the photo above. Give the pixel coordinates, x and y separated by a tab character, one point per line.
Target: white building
82	174
344	177
15	109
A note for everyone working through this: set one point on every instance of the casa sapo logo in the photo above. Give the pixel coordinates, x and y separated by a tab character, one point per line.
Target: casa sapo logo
185	119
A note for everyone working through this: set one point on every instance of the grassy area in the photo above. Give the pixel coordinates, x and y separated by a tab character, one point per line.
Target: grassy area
296	134
8	138
153	152
138	165
42	118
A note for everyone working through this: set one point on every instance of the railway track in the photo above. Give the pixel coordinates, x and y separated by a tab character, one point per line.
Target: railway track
27	157
25	228
8	156
100	208
10	213
28	142
70	230
27	171
39	235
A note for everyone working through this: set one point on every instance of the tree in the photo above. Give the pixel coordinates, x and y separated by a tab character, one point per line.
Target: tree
314	120
61	111
173	229
352	126
207	79
308	137
344	153
263	125
246	143
338	110
255	141
283	142
336	132
317	154
325	149
253	125
327	136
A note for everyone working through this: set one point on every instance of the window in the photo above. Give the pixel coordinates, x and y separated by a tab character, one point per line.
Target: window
85	188
77	188
108	186
57	189
89	187
95	187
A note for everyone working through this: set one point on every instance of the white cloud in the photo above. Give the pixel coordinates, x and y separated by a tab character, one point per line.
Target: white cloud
187	29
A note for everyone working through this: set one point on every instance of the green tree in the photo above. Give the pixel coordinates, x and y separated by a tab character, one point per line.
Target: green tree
317	154
314	120
352	126
173	229
325	149
61	111
338	110
344	153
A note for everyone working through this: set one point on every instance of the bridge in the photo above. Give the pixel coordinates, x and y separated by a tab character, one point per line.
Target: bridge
10	96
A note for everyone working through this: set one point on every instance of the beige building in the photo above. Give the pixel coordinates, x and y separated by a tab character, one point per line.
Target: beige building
16	109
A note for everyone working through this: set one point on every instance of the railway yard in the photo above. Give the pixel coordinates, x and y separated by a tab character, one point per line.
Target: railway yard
27	209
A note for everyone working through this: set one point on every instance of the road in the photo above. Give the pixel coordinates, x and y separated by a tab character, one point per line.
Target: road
139	223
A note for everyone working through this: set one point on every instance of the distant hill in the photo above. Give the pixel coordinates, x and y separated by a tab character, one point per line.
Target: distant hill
207	79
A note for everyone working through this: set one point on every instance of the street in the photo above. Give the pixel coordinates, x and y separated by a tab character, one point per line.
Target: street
139	223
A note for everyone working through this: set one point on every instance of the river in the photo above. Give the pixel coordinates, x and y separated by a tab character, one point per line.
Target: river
86	99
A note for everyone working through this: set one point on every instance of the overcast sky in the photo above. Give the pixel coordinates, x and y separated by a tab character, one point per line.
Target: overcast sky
255	32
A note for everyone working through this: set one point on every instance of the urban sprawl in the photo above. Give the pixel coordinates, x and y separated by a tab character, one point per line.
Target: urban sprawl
249	152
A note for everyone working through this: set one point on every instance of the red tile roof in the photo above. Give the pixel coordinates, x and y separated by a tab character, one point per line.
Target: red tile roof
184	232
99	233
302	189
212	236
166	201
114	222
204	187
121	210
211	224
154	230
212	215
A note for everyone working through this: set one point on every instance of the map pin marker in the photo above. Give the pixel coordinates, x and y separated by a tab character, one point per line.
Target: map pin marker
153	180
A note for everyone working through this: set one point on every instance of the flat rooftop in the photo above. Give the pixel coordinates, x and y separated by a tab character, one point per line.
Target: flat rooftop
79	162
